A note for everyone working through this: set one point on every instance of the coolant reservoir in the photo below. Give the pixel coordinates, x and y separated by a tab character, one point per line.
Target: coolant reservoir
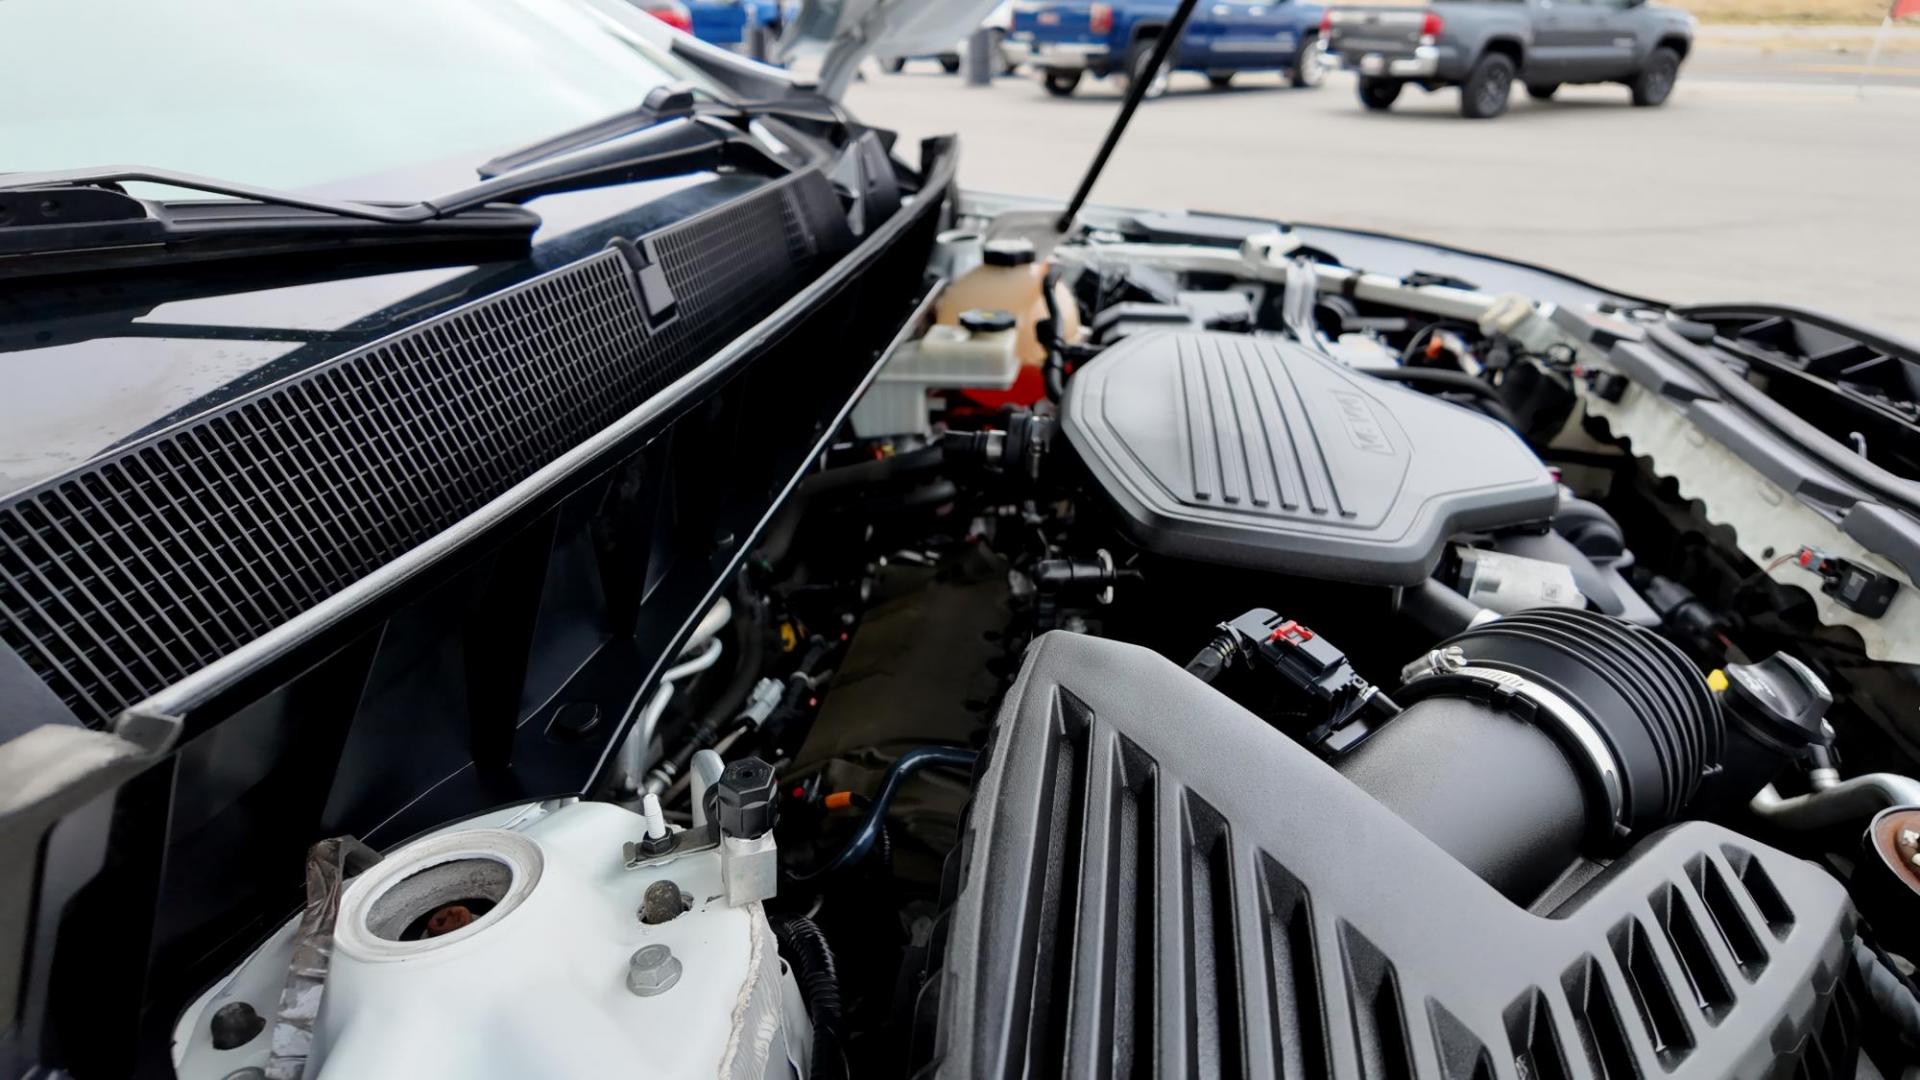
1009	278
978	354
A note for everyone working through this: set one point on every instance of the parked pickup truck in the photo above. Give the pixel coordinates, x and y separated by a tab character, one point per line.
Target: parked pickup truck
1481	46
1065	40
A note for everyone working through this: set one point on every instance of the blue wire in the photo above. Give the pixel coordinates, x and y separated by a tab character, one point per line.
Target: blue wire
902	769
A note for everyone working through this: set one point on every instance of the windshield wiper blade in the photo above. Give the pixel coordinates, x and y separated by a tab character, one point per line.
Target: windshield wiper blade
80	219
676	101
53	228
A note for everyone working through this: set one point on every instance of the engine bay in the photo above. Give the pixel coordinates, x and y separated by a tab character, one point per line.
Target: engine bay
1198	656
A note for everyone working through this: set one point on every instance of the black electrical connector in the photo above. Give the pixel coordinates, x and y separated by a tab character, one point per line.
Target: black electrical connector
1855	587
1311	666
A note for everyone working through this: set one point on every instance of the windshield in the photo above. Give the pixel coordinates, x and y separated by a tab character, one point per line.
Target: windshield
316	92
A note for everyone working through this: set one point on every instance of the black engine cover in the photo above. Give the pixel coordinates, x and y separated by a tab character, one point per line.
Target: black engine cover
1155	882
1263	453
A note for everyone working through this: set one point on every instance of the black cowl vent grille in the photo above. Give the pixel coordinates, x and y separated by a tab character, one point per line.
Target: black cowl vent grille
1154	883
150	562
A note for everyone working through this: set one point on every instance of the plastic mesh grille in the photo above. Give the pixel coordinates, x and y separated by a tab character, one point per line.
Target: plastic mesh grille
145	565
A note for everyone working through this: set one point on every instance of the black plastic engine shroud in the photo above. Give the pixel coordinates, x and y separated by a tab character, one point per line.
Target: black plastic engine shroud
1254	452
1153	881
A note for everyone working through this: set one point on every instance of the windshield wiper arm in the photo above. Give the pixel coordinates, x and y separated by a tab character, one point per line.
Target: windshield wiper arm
676	101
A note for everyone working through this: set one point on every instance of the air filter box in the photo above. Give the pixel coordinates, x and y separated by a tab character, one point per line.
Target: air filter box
1259	452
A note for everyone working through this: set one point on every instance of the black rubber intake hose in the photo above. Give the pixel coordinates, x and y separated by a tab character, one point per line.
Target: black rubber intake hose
1540	736
811	957
1648	702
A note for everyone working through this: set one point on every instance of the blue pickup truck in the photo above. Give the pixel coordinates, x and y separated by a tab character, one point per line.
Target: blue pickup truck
1066	40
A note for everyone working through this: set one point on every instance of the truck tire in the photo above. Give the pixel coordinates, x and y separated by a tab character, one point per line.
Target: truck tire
950	64
1060	82
1542	91
1378	94
893	65
1219	80
1484	95
1656	78
1309	67
1137	58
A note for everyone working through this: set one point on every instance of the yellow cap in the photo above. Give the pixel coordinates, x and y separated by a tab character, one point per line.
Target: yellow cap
1717	681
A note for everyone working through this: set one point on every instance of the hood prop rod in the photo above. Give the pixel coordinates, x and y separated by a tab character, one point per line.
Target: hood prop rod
1137	84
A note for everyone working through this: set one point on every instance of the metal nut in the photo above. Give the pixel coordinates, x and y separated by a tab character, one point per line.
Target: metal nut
653	969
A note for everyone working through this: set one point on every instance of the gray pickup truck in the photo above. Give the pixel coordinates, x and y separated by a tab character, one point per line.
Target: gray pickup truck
1482	46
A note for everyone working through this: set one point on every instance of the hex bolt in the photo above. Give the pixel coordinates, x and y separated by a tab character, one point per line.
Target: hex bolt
653	969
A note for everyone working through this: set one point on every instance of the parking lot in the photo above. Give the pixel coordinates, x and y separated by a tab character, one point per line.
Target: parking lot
1766	176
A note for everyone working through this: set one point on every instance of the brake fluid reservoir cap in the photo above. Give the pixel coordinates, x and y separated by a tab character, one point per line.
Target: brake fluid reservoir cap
986	320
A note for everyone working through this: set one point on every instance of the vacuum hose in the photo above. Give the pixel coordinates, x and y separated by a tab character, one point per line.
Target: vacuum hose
903	768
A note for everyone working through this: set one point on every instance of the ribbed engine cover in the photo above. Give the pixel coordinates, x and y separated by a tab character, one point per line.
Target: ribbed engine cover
1154	882
1263	453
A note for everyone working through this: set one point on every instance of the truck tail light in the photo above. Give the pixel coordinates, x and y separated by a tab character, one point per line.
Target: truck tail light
1431	25
1326	23
1100	18
675	15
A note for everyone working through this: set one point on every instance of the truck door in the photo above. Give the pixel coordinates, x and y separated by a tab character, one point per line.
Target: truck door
1247	33
1614	47
1562	35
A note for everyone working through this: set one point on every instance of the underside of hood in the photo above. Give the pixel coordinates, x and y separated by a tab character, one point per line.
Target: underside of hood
845	32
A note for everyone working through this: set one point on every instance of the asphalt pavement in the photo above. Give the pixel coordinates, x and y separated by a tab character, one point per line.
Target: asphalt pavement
1767	176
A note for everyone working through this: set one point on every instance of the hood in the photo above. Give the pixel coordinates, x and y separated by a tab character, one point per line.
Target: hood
845	32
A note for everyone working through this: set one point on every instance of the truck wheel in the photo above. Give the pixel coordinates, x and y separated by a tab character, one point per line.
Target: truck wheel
1137	62
1219	80
1656	79
1378	94
894	65
1542	91
1060	83
1484	95
1309	64
950	64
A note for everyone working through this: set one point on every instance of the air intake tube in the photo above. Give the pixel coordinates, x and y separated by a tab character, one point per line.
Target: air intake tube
1547	734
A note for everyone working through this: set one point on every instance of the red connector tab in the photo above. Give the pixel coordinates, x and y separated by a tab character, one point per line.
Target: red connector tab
1290	631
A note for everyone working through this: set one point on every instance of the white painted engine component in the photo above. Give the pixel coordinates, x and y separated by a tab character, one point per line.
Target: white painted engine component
1766	522
560	977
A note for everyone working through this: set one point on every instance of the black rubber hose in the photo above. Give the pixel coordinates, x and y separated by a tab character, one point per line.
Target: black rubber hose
1439	610
903	769
810	956
1432	379
1212	659
778	538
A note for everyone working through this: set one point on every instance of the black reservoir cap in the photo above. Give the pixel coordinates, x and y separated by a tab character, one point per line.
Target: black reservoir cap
1779	700
743	798
1007	252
